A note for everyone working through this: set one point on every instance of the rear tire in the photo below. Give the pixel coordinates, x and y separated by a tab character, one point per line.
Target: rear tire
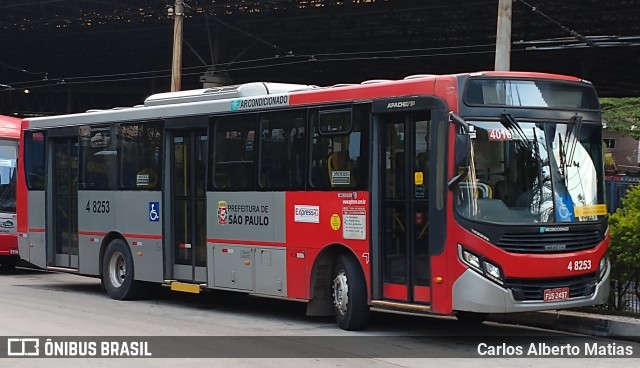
349	294
118	273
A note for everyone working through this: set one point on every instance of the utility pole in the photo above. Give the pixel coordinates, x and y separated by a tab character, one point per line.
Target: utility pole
503	36
176	66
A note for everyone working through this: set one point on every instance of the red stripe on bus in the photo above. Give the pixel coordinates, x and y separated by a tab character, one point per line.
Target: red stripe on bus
246	242
36	230
96	233
139	236
144	236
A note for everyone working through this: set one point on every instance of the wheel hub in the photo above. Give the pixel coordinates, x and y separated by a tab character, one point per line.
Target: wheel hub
117	269
340	293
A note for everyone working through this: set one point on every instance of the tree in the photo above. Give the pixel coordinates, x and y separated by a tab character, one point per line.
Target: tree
622	115
624	251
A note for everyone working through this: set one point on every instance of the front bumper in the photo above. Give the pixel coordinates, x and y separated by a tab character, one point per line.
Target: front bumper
474	293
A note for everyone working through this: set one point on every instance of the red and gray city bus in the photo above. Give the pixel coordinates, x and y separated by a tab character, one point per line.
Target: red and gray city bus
464	194
9	136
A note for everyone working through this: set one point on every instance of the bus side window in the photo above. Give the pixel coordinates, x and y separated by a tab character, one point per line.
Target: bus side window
98	162
282	150
319	164
338	155
34	161
139	153
233	153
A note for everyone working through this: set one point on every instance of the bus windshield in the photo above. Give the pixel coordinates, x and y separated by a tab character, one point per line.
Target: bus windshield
533	172
8	154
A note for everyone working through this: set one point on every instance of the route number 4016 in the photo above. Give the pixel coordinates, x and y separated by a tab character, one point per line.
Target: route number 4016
581	265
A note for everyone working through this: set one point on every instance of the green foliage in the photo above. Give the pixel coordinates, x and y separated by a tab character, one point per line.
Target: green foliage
624	251
622	115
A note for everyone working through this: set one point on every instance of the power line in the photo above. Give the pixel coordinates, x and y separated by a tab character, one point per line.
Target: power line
563	27
278	62
268	62
11	67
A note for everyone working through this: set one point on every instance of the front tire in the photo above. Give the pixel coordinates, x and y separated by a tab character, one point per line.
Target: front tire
349	293
117	272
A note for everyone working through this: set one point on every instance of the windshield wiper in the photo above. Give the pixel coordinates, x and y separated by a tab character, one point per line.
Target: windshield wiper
512	124
577	126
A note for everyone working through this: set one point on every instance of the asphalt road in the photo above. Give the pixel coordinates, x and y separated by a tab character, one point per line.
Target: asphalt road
230	329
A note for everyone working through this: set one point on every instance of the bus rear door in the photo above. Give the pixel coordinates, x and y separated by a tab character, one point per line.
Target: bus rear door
187	253
64	219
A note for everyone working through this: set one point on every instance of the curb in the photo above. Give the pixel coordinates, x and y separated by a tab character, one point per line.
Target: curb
623	328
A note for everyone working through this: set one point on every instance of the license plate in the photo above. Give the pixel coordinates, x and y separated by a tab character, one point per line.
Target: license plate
552	295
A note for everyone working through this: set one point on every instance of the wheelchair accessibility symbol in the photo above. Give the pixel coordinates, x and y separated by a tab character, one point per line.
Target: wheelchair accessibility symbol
154	211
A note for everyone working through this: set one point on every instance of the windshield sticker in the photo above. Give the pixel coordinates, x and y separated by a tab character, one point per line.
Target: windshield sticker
341	177
588	211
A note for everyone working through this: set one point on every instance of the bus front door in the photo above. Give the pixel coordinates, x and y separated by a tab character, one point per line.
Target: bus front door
188	204
405	259
64	215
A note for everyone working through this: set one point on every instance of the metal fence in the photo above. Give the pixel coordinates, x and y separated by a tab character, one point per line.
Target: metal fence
625	294
616	190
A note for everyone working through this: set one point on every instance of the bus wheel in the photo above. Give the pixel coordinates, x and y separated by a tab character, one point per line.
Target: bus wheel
349	294
471	317
117	272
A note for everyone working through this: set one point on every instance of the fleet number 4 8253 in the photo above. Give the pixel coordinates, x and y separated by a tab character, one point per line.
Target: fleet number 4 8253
581	265
98	206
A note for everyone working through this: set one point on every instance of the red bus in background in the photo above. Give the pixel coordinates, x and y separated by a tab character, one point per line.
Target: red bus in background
461	194
9	137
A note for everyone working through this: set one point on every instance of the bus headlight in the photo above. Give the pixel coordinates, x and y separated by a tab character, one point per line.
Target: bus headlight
471	259
480	265
602	268
492	271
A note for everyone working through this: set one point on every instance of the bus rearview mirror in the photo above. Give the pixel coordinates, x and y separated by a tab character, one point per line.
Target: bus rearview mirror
463	150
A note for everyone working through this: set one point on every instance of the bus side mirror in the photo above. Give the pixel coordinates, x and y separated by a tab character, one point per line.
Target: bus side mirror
463	150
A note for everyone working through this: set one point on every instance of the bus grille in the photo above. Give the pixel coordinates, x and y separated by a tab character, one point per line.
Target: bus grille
533	290
549	242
